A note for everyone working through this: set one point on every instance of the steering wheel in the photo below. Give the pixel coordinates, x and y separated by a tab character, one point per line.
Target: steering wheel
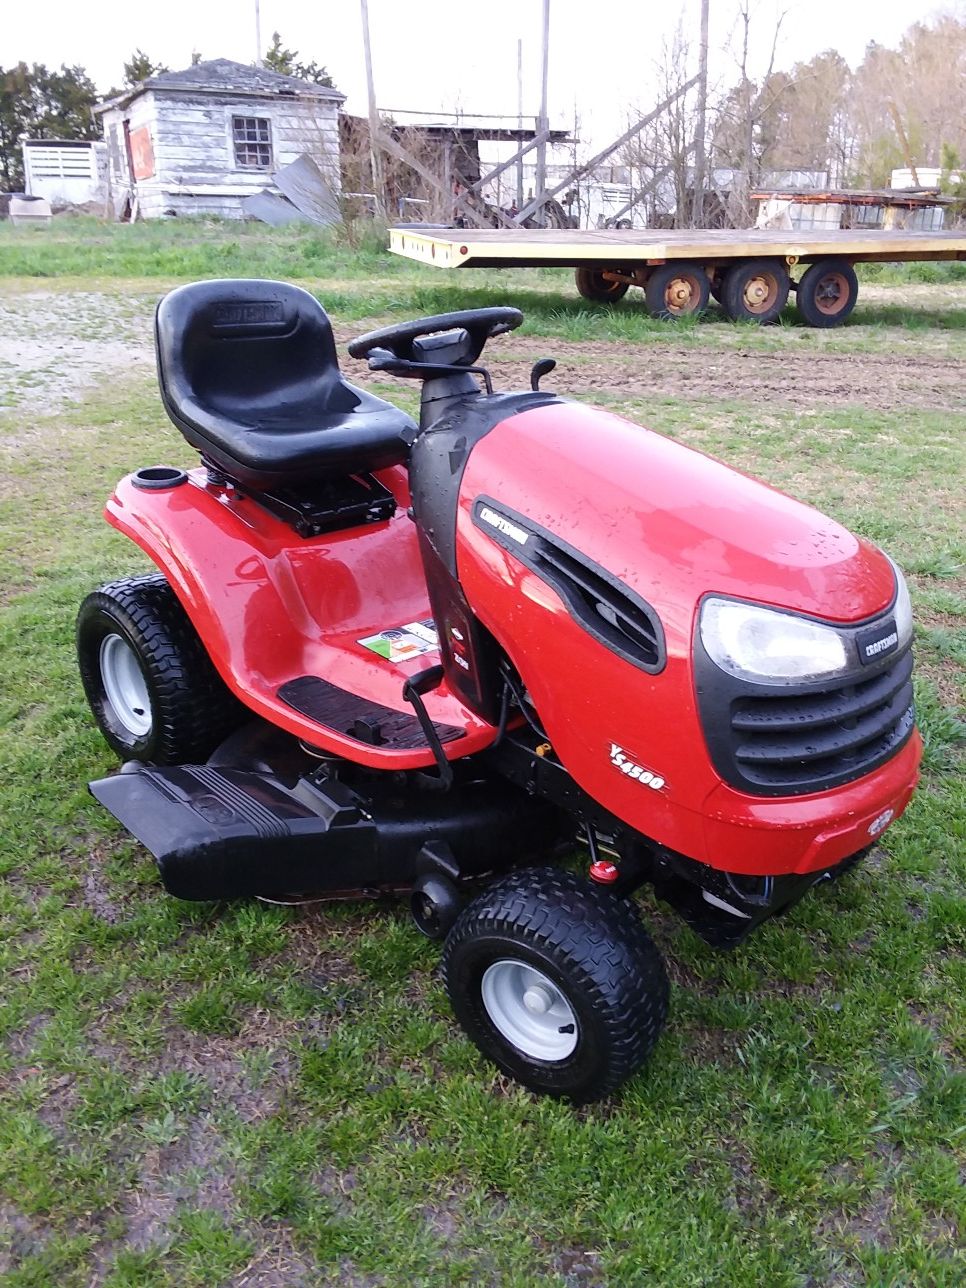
480	325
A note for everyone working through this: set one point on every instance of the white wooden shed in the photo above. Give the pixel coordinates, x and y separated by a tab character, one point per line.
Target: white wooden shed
201	140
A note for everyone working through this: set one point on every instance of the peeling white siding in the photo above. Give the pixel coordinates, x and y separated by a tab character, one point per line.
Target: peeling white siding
194	158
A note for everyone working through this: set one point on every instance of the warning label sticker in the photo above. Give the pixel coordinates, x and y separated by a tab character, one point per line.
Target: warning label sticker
402	642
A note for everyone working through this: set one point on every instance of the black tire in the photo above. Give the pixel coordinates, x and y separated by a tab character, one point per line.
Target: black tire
582	941
755	290
593	285
827	292
677	291
188	710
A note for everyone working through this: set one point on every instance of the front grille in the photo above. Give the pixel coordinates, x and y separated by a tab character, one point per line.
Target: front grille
776	742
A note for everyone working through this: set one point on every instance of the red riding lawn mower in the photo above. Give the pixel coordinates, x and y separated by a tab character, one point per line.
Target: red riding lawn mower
438	660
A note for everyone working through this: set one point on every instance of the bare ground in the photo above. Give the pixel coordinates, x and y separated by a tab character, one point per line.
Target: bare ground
874	381
55	344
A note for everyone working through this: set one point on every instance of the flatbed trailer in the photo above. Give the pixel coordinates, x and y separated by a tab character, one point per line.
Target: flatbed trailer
749	271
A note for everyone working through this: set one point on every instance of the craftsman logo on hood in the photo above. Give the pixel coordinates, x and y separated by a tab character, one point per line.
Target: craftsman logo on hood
503	524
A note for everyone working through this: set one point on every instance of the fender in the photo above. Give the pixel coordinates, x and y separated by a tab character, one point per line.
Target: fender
270	605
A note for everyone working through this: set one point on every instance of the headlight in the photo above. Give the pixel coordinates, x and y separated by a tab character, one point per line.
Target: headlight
902	611
755	643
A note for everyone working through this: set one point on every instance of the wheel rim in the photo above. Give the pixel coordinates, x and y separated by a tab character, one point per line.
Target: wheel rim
681	296
529	1010
831	294
125	685
760	293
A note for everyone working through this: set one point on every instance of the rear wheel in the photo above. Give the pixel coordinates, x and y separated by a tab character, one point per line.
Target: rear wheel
557	982
677	291
151	686
827	293
593	285
755	290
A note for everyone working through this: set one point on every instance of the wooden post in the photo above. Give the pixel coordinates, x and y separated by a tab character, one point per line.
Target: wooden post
543	122
375	155
258	36
519	202
697	203
544	194
517	157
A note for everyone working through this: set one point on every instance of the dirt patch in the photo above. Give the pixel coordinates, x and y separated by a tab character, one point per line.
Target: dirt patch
279	1264
53	347
98	899
20	1237
787	377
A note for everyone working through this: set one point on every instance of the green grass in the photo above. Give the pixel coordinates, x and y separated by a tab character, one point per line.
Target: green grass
213	1094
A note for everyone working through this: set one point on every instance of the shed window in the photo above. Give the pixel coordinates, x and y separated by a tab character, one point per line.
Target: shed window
253	142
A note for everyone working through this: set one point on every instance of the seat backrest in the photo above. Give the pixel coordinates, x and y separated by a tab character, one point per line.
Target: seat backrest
236	344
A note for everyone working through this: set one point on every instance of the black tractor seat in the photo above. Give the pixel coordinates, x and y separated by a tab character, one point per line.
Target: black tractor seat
249	373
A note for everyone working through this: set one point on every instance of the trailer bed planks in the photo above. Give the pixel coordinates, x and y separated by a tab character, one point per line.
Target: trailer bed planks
748	270
574	247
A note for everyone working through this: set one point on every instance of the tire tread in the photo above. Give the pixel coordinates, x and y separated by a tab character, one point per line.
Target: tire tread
602	939
195	711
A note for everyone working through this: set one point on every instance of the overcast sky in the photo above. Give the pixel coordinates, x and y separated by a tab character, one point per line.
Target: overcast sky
455	54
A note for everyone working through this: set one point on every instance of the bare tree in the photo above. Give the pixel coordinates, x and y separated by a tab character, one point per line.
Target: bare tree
747	122
664	148
925	81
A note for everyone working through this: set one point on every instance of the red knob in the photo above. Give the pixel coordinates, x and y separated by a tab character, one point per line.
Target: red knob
604	872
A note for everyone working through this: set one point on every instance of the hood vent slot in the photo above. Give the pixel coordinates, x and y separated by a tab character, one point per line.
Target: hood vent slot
607	609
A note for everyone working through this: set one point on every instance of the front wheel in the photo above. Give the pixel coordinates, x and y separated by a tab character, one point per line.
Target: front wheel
557	982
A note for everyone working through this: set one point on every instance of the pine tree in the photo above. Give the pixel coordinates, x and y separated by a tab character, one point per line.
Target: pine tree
37	103
140	68
286	63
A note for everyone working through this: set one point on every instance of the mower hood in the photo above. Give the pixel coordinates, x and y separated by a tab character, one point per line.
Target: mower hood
669	522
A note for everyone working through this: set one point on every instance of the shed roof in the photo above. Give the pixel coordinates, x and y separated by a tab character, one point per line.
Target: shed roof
223	76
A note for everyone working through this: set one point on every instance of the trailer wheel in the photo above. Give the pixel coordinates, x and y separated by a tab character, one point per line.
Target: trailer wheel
152	687
557	982
827	292
593	285
677	291
755	290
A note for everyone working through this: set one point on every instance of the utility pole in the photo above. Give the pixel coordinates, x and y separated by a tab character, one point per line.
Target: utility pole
258	35
697	204
519	201
375	155
542	121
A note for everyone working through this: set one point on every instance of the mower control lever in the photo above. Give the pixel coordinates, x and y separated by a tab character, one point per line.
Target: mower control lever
423	682
413	689
542	367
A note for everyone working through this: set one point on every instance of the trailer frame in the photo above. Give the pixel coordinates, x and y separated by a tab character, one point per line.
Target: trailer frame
749	271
